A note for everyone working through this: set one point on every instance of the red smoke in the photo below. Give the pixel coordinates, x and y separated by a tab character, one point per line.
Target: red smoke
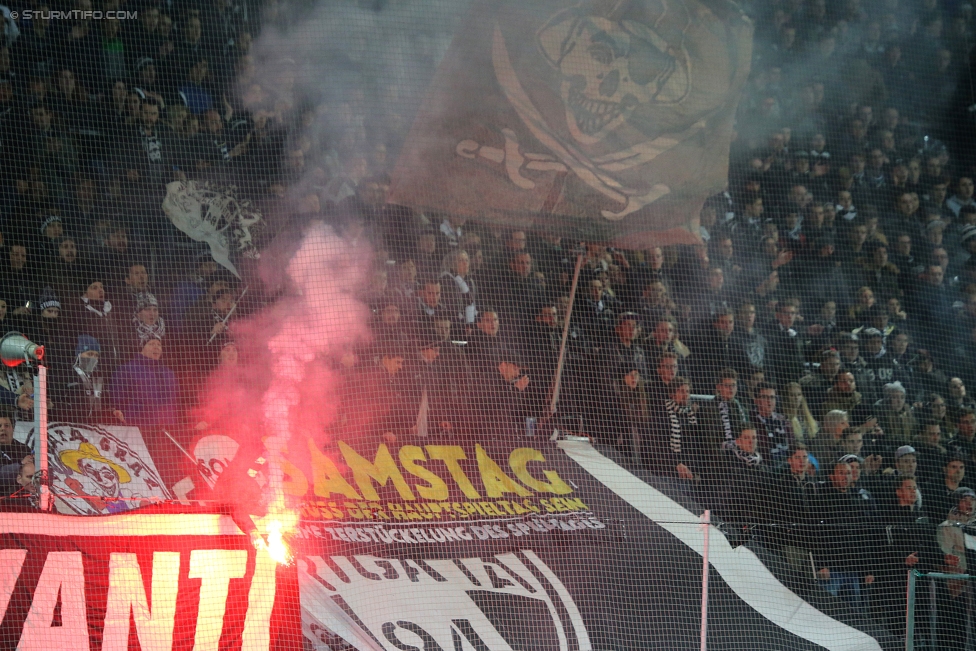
285	388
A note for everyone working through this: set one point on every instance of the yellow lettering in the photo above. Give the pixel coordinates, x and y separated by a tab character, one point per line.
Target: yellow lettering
326	478
496	482
295	481
519	460
437	488
451	455
382	470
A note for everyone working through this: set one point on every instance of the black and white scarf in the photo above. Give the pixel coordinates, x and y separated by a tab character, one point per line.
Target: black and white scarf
152	331
675	411
726	419
748	458
90	305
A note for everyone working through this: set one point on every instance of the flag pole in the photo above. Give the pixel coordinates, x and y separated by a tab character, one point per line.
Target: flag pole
231	313
554	391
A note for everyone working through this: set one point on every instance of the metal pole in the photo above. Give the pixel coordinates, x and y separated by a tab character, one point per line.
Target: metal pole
706	525
933	617
231	313
910	615
42	437
554	393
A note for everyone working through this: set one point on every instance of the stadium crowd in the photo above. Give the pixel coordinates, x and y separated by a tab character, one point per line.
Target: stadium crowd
810	363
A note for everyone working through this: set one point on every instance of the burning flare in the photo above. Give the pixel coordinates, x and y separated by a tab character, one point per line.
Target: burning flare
277	546
277	524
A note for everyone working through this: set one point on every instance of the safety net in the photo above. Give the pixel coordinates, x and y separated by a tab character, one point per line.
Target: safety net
487	325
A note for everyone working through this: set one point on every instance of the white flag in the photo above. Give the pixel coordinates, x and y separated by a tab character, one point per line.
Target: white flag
213	214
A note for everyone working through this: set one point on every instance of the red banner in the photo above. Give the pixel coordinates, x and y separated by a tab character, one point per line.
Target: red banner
155	582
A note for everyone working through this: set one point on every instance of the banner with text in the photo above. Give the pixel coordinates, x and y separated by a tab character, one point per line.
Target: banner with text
150	582
520	544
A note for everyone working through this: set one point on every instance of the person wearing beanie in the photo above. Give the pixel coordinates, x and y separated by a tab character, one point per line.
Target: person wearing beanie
51	330
84	399
145	323
91	312
147	393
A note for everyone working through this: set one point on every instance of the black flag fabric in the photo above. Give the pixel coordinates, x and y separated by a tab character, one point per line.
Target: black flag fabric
609	121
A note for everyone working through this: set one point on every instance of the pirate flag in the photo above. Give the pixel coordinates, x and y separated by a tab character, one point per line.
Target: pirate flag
605	120
213	214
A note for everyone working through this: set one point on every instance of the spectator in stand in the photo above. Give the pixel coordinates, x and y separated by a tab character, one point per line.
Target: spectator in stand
145	390
146	323
677	445
963	195
963	443
499	372
895	417
935	410
911	547
938	494
958	401
19	278
188	290
775	433
660	387
850	356
429	306
751	345
797	412
147	165
742	479
714	349
655	303
928	379
784	360
92	314
829	444
878	365
664	339
440	391
952	596
85	395
844	396
194	89
724	415
930	454
460	293
206	328
816	385
931	309
791	494
12	451
136	283
623	395
842	561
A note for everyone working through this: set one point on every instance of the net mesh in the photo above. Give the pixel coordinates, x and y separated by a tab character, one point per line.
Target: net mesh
341	421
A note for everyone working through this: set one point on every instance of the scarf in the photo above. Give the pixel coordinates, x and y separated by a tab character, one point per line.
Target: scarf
106	307
462	285
726	419
152	331
91	384
674	412
748	458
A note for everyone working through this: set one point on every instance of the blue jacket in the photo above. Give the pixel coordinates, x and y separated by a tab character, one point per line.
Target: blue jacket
146	392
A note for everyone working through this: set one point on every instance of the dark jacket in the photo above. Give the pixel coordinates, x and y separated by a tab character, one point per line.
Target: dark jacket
840	532
146	392
676	439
